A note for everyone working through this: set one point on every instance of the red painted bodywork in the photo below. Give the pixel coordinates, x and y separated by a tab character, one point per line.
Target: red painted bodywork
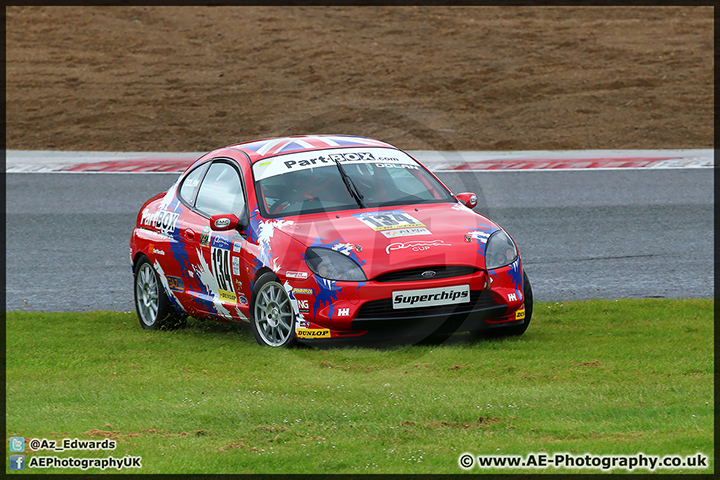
183	249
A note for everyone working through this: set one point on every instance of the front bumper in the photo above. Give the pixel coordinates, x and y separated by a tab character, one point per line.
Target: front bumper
379	314
348	318
414	328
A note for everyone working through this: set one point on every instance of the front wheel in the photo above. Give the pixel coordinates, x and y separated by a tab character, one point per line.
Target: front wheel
151	302
273	318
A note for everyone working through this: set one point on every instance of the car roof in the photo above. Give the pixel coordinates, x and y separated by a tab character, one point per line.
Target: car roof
269	147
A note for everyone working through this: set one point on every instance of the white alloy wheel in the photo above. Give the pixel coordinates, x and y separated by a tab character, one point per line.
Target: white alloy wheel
273	316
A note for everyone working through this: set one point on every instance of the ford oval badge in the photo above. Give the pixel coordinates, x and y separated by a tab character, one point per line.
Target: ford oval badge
428	274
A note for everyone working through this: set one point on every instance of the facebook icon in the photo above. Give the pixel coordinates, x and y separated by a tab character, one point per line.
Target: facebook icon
17	462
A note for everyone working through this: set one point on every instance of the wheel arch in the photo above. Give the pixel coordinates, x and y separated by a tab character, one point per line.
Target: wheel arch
271	309
262	271
139	256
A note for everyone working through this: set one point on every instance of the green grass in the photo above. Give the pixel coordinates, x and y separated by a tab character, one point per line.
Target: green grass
599	377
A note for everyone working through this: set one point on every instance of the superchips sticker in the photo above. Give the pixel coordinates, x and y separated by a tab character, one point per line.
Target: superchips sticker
393	223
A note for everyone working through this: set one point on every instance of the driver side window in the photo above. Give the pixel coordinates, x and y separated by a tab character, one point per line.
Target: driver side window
221	191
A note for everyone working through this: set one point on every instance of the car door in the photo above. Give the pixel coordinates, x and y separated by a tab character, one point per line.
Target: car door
216	274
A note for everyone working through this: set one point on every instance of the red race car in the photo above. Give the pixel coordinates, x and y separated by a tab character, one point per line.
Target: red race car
321	238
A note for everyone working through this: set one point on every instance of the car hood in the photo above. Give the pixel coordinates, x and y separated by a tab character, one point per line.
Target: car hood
388	239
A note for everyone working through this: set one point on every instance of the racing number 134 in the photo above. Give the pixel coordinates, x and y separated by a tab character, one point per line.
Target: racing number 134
221	267
389	220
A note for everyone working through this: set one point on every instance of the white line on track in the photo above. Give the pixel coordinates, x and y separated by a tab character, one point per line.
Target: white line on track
36	161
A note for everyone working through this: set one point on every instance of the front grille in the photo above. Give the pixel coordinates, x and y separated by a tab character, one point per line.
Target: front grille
377	309
415	274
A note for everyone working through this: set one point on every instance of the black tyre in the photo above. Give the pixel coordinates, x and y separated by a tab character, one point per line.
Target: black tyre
152	304
271	314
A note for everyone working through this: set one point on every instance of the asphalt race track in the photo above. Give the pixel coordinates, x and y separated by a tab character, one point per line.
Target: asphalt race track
631	233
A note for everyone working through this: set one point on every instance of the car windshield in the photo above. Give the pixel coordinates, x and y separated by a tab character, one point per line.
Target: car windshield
311	182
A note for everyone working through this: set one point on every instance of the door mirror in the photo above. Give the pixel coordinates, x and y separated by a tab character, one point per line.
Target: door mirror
224	221
469	199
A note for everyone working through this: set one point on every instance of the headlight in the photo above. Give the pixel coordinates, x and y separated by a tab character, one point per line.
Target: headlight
333	265
500	251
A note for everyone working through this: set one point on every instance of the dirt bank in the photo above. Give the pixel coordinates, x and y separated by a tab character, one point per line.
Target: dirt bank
484	78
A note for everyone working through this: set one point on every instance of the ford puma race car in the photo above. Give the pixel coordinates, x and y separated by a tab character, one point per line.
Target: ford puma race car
316	238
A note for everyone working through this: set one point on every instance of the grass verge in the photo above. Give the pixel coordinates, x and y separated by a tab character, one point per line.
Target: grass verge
599	377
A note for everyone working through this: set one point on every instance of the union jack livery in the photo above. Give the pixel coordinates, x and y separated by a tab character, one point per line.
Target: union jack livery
322	239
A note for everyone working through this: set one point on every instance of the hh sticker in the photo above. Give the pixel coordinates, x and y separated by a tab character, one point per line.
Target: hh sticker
513	297
313	333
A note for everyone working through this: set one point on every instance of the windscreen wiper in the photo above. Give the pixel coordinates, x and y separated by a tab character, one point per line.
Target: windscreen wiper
354	192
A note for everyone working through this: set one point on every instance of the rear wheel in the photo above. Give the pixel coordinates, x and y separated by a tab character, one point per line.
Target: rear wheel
273	318
151	302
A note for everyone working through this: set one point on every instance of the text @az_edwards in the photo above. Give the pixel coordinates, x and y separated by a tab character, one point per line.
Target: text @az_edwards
584	462
71	444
